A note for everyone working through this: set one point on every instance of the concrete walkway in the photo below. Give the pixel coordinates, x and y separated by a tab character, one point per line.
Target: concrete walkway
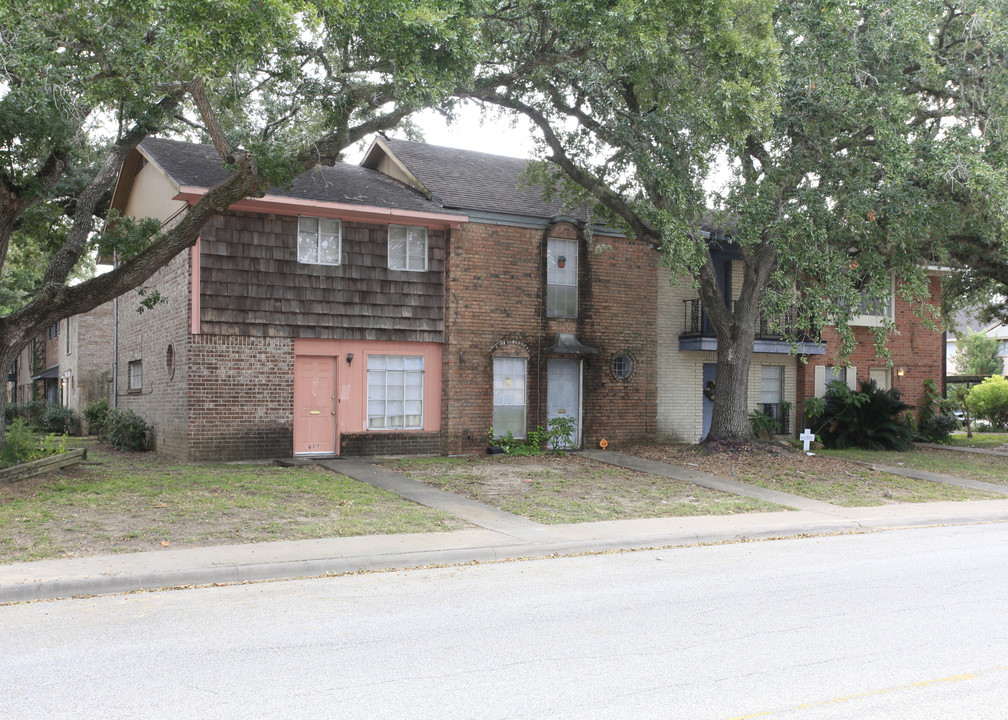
942	478
500	536
471	511
957	448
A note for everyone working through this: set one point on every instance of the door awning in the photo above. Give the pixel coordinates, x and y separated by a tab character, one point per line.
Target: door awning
567	344
48	374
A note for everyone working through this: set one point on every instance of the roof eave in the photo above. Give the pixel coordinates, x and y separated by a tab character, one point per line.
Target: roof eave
282	205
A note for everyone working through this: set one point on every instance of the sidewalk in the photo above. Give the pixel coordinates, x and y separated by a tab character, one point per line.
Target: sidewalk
499	536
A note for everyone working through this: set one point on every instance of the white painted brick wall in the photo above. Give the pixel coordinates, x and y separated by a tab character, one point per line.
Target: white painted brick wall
680	374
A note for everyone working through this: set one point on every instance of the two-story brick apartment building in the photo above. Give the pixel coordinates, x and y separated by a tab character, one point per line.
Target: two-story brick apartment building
781	380
359	311
545	317
70	364
411	304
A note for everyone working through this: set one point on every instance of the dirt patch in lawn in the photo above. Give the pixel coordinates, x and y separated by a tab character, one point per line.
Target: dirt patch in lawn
571	488
820	477
128	502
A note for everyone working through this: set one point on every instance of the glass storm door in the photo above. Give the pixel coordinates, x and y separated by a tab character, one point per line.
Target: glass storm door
563	393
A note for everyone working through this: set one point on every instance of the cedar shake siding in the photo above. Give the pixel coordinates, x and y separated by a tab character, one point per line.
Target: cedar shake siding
251	284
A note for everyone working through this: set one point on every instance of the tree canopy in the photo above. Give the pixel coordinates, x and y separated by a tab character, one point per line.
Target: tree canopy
277	86
977	354
865	142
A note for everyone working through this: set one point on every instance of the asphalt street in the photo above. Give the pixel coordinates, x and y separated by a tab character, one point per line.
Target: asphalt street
900	624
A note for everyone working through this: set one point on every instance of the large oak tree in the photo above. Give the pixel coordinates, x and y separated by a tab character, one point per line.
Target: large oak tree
878	149
278	86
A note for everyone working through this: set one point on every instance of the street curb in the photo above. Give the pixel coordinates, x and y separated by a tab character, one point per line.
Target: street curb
227	574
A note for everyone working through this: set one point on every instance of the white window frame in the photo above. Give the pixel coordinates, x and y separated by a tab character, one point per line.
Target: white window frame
876	319
410	256
304	234
506	390
821	380
134	375
383	395
68	347
561	279
779	382
882	377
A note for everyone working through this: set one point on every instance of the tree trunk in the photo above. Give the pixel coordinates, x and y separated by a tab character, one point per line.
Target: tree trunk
730	419
735	328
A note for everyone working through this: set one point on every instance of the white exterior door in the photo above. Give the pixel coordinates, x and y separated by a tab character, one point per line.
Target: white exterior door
563	393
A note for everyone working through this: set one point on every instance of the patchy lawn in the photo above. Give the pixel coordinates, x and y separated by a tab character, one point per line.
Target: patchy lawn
127	502
571	488
972	466
989	441
821	477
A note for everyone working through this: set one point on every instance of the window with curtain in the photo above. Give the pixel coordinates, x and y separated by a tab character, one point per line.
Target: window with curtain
509	396
395	392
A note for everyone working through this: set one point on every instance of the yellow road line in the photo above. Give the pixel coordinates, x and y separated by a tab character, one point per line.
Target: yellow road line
871	693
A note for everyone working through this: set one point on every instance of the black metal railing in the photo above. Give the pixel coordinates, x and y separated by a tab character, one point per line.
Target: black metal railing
767	327
783	418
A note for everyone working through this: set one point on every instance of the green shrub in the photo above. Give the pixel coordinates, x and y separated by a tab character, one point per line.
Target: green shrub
561	432
531	445
989	400
20	445
96	415
867	419
127	430
935	421
60	420
30	413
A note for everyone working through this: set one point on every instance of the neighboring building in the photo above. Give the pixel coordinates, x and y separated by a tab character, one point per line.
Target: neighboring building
361	311
70	364
965	322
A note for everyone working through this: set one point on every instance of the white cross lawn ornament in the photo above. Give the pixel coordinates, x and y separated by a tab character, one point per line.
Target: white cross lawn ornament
807	437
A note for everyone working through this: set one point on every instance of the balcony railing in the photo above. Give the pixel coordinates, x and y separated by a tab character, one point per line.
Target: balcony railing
767	328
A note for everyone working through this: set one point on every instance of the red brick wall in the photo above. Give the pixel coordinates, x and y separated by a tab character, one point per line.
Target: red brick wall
495	291
240	397
913	346
145	336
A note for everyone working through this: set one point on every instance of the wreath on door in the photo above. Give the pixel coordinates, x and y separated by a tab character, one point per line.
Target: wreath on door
708	390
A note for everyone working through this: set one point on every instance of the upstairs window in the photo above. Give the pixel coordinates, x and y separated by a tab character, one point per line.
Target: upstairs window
561	278
874	311
407	248
319	241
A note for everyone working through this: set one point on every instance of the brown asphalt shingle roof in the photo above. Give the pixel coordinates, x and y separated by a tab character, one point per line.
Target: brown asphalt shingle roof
476	181
201	166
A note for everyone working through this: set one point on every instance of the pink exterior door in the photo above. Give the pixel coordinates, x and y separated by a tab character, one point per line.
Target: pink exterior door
314	405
